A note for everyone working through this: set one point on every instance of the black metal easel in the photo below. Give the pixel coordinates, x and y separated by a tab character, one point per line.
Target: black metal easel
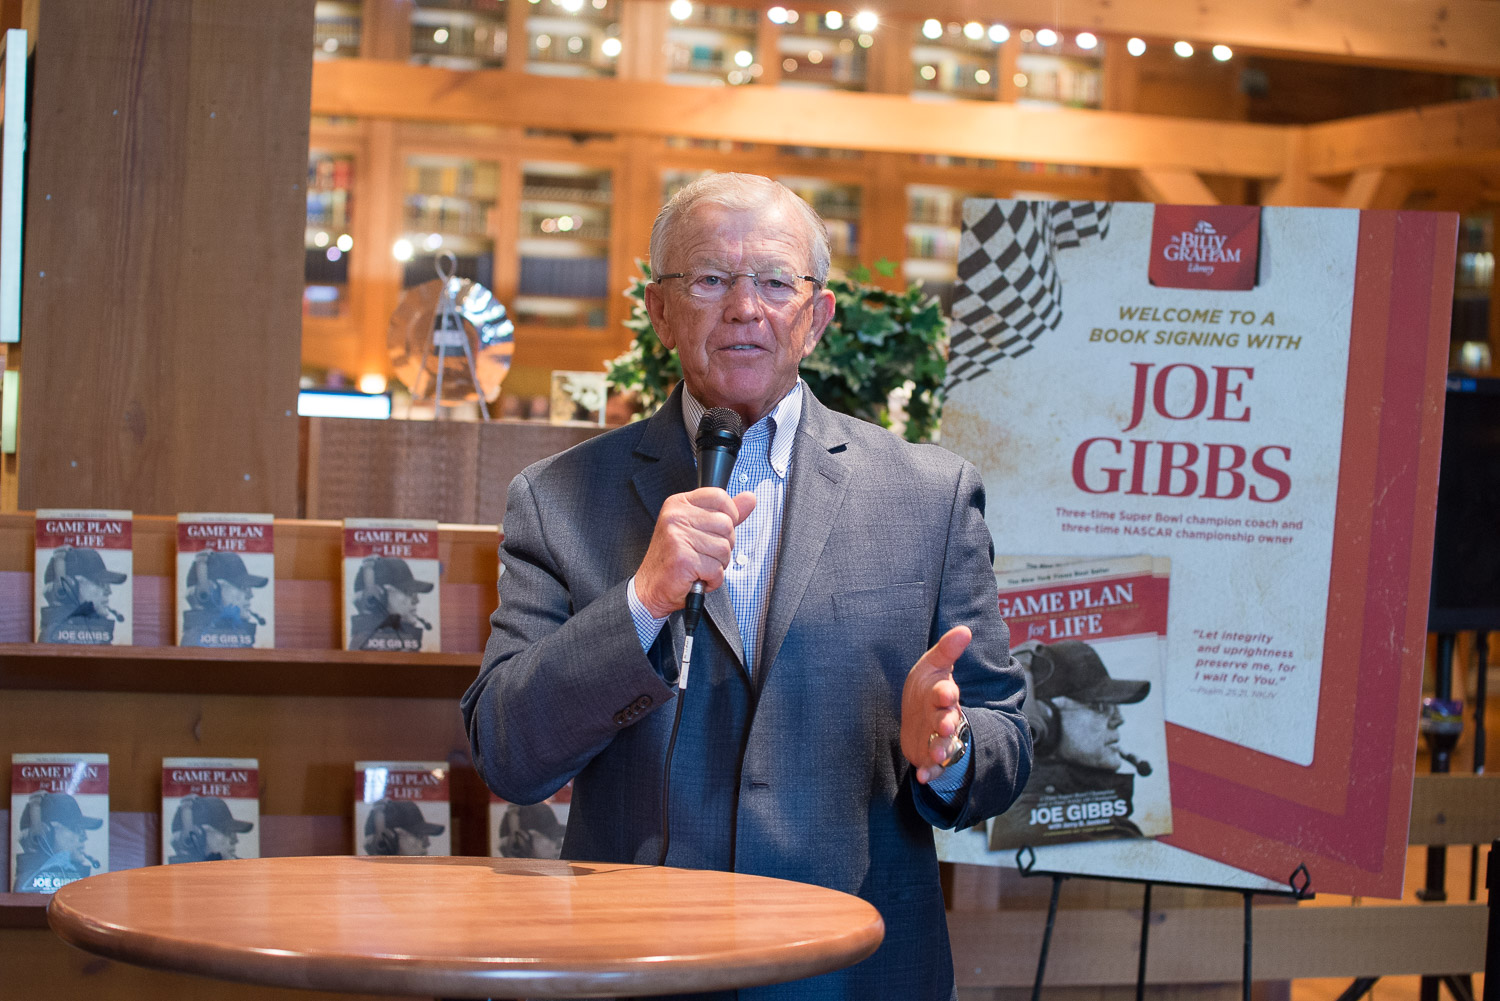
1299	887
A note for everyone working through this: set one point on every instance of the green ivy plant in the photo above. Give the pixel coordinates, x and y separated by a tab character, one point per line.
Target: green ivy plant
879	342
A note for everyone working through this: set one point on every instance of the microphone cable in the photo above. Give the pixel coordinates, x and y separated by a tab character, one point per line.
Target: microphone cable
718	444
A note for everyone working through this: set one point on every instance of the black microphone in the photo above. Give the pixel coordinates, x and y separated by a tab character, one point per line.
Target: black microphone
1141	764
718	442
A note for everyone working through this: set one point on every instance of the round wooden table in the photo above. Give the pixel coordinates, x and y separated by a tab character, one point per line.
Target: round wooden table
466	927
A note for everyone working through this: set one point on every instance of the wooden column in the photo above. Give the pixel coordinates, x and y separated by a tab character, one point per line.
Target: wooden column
375	275
883	216
890	59
164	223
643	37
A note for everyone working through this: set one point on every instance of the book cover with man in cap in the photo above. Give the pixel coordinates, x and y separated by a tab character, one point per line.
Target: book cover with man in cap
210	809
530	831
401	808
83	577
391	585
59	819
226	581
1090	636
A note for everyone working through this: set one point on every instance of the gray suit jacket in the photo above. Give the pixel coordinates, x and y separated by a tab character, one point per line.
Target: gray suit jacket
796	772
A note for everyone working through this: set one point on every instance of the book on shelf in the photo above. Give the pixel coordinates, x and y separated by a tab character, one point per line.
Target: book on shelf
59	819
83	577
226	581
210	809
534	831
1090	635
401	808
391	585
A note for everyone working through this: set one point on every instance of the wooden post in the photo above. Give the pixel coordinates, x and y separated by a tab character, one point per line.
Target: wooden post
164	227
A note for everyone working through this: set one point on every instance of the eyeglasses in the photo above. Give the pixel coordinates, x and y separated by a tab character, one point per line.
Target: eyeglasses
774	286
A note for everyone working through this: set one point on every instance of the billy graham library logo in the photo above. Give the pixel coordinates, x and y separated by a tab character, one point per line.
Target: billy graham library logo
1205	246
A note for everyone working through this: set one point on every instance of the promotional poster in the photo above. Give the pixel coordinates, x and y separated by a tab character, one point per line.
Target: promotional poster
1253	394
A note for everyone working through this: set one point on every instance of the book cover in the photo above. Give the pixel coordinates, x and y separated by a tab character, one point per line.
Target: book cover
226	580
1089	635
391	585
534	831
401	808
59	819
83	577
210	809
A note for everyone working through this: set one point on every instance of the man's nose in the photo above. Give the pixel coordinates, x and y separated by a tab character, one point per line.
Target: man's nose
742	300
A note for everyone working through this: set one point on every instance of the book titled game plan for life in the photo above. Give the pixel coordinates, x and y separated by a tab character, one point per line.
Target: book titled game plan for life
1090	635
226	580
59	819
402	808
83	577
210	809
390	580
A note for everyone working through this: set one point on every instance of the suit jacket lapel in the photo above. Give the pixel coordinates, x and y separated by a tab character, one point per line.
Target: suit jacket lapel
667	466
819	478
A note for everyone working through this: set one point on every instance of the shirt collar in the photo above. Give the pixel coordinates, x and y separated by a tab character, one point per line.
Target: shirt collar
784	417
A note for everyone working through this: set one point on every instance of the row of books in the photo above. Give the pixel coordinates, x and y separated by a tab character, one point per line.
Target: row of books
210	811
569	277
226	581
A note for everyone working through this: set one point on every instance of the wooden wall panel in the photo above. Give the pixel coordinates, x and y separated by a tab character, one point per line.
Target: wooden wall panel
162	294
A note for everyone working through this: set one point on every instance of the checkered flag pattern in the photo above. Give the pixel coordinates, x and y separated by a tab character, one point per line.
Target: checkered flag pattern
1009	291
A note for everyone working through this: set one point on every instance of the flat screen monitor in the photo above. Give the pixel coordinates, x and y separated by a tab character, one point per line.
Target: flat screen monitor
1466	548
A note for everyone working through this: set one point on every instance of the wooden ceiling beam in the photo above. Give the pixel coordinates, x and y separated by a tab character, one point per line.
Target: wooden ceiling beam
370	88
1377	188
1460	133
1174	187
1448	36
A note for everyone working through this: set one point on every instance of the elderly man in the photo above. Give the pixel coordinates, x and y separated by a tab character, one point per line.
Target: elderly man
851	683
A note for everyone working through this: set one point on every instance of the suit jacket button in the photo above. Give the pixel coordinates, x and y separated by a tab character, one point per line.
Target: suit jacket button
644	702
620	717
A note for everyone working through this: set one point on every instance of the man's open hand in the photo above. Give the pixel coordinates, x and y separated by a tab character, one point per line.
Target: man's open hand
929	706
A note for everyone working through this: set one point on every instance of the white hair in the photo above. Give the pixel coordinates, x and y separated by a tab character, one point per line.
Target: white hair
740	192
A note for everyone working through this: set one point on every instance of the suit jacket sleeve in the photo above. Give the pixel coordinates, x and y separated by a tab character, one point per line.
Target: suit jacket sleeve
990	683
563	671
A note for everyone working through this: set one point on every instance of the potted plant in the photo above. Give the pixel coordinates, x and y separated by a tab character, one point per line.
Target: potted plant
884	355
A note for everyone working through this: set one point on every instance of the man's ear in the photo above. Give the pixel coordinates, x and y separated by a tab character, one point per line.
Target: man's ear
656	306
822	307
